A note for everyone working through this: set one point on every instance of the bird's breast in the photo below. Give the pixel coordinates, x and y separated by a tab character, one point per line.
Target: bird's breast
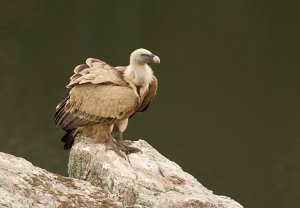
142	77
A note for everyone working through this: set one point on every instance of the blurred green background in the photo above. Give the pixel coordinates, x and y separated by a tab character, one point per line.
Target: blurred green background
227	109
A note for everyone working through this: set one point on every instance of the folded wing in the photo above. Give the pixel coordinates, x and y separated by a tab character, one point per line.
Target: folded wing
98	94
95	71
149	96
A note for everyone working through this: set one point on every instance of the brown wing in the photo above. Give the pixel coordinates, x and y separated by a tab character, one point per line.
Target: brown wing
96	71
149	96
68	121
90	103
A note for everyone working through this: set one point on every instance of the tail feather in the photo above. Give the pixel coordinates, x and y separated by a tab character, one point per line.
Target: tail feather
68	139
60	112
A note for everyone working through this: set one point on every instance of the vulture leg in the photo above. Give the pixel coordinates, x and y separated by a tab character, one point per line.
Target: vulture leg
124	145
110	145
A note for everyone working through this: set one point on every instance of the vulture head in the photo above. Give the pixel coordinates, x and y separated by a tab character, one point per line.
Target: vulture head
142	56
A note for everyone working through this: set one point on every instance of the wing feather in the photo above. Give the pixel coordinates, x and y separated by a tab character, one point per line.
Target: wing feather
97	72
103	100
98	94
149	96
80	67
90	104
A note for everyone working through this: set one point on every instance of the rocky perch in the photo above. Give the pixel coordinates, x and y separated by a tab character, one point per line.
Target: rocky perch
104	179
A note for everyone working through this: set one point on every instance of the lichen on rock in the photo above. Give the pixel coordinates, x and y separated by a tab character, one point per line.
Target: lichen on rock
146	179
23	185
100	178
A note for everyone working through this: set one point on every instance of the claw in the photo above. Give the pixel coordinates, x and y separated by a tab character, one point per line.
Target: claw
110	145
125	145
130	149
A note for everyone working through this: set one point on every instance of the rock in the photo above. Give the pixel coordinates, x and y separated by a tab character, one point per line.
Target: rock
146	179
23	185
105	180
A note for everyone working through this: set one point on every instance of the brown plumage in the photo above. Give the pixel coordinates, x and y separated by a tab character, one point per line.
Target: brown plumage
102	98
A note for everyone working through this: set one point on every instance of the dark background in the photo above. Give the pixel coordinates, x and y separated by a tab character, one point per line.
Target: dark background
227	109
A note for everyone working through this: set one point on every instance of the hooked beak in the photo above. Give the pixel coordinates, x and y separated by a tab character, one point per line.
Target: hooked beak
156	59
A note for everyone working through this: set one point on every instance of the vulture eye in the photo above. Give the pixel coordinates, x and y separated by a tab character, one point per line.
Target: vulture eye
144	55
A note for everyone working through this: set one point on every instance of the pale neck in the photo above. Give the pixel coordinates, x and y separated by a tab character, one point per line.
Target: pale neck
140	75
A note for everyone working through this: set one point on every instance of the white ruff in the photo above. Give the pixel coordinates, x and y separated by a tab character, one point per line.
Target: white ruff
140	75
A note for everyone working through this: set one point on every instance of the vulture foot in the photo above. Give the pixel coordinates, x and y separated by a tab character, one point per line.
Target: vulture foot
111	145
125	147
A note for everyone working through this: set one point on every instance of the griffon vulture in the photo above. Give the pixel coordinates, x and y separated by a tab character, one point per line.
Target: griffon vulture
102	98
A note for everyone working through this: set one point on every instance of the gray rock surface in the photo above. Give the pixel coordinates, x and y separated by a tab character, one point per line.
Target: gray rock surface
23	185
146	179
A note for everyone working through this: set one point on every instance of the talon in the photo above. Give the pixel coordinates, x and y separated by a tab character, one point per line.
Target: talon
127	142
110	145
124	146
